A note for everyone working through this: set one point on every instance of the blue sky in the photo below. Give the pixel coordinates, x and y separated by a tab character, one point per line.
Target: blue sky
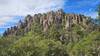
11	11
86	7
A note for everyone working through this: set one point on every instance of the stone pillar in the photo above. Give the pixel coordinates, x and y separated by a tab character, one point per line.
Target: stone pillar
50	17
45	24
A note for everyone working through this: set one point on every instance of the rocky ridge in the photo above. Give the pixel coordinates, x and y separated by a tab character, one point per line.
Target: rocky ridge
49	18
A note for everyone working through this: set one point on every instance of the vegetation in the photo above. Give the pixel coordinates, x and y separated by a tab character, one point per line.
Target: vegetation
52	43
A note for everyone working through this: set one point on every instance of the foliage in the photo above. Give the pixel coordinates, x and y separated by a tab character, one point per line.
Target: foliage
36	43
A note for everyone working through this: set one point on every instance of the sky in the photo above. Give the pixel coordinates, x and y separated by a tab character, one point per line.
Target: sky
11	11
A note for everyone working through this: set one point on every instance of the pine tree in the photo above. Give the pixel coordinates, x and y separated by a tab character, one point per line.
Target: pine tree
98	10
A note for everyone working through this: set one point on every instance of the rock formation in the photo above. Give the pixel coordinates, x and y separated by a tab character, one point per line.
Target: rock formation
46	20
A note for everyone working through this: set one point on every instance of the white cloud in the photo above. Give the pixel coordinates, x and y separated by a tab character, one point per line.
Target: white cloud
91	14
11	8
24	7
4	19
8	21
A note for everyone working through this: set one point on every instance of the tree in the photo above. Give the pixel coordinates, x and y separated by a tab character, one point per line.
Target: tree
98	10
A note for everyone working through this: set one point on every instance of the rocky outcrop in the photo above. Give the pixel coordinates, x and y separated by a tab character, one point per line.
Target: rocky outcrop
46	20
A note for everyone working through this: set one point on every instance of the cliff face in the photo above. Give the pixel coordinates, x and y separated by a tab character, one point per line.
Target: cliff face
48	19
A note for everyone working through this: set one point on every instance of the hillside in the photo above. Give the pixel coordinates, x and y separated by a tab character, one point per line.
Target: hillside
54	33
